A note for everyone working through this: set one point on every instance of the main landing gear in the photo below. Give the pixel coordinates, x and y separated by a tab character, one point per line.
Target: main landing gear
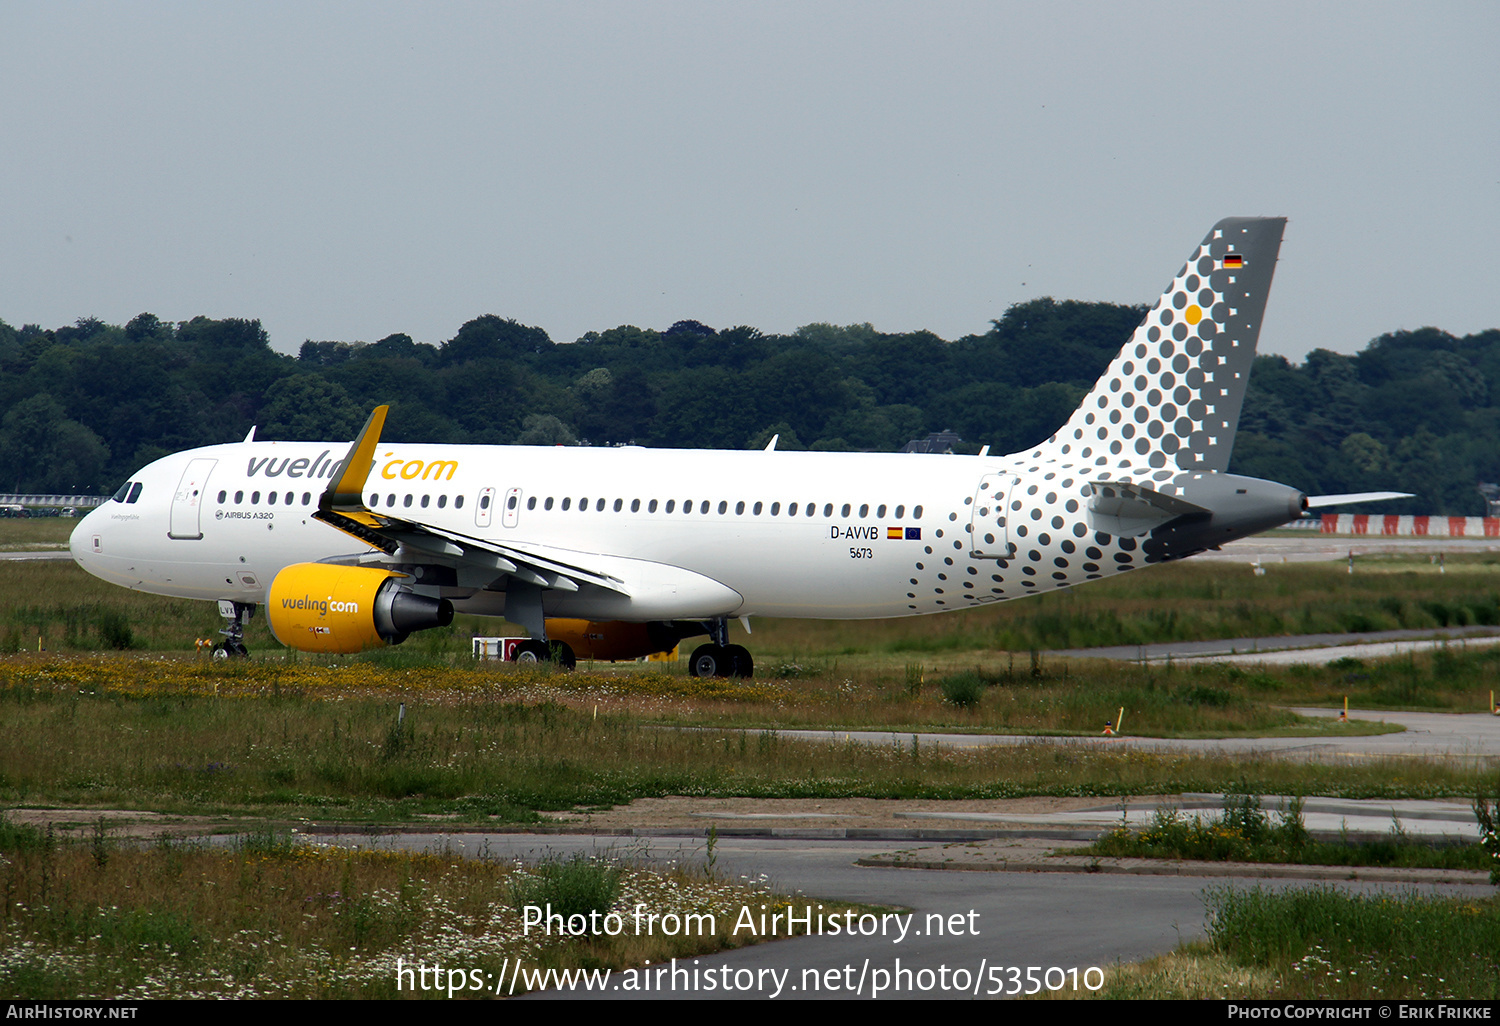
530	653
719	658
523	605
236	615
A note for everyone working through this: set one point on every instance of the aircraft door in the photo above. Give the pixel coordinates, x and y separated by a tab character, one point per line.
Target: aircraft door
990	537
512	512
187	503
484	509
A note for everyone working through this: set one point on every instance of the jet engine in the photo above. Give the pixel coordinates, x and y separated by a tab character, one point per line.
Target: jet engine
320	607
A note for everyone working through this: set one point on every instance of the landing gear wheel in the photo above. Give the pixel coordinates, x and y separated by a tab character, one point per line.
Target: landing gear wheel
707	661
720	661
534	653
740	663
530	653
230	650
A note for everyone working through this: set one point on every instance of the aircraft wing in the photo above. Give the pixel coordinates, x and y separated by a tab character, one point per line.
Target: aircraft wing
342	506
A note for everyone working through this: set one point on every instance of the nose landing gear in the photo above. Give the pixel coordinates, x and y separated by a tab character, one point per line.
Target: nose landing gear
236	615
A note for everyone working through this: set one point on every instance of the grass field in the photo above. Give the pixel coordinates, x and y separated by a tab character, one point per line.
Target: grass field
117	712
20	534
1322	944
483	745
271	917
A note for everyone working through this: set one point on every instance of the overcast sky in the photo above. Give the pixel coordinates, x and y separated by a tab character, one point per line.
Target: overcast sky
349	170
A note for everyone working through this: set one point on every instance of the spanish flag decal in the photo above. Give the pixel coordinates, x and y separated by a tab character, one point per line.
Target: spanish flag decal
894	532
1233	260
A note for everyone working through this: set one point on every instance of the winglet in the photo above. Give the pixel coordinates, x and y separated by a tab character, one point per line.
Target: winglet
345	493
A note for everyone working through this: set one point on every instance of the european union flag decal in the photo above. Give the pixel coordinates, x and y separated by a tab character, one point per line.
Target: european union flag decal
913	534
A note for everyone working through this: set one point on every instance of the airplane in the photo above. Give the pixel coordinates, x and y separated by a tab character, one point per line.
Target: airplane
614	553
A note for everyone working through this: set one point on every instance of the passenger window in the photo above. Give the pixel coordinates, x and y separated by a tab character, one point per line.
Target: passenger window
687	505
652	508
548	503
864	510
531	502
811	508
828	510
222	495
845	512
671	505
390	500
776	509
374	499
425	500
599	505
239	497
723	507
290	498
406	502
756	510
916	512
484	502
510	502
791	510
619	505
635	505
307	498
900	512
703	506
458	502
255	498
566	504
270	498
442	501
881	511
135	492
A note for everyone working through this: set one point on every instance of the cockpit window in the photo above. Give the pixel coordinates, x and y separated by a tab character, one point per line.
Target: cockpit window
135	492
123	491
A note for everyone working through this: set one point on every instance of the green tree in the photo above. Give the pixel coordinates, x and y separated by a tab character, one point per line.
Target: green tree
308	408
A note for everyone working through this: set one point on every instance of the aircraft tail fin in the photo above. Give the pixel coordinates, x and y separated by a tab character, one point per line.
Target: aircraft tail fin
1171	399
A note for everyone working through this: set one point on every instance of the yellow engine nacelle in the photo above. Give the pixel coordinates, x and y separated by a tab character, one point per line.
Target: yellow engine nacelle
610	639
319	607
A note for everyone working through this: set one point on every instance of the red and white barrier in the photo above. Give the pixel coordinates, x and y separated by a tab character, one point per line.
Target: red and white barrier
1411	526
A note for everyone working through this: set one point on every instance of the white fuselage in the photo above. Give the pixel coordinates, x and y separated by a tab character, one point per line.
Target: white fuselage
691	533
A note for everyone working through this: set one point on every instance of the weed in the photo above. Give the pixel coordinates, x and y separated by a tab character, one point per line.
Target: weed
101	845
579	885
114	629
963	689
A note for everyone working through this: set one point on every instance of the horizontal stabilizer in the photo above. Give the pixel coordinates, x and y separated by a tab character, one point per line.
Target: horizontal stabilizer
1319	501
1127	510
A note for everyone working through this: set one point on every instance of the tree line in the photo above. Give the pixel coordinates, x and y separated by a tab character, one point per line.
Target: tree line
89	403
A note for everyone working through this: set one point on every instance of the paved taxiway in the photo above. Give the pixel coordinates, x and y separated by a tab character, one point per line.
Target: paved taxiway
1062	920
1429	735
